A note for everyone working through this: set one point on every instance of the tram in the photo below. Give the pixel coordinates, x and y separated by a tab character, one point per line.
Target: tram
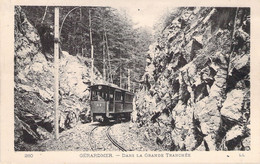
109	102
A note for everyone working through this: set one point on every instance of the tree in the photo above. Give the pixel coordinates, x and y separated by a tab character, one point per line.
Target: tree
114	38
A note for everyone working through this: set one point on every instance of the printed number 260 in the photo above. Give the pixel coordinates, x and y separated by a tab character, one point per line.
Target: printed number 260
28	155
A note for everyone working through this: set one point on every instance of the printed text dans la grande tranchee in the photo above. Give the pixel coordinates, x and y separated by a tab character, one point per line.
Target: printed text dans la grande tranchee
135	155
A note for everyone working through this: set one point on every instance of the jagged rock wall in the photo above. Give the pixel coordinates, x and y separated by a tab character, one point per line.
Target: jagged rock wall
34	90
197	94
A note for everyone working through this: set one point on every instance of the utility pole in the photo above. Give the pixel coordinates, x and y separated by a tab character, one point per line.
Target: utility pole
92	49
56	72
129	87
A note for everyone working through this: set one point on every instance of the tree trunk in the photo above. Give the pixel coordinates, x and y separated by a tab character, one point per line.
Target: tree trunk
104	59
109	64
92	49
46	8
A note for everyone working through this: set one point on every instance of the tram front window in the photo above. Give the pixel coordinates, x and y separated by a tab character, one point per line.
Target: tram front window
98	96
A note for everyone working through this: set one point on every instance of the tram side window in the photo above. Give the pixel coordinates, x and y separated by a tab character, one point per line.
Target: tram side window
128	97
111	96
119	96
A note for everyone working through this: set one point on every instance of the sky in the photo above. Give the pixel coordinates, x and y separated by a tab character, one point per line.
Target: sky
145	14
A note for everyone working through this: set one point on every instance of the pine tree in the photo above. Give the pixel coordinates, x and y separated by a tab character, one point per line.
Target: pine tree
114	38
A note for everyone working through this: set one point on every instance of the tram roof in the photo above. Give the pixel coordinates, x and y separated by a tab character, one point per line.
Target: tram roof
111	86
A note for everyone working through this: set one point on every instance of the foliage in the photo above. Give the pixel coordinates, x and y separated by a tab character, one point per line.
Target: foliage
114	37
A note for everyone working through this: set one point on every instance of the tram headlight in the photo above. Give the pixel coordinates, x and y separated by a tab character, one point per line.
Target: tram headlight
99	87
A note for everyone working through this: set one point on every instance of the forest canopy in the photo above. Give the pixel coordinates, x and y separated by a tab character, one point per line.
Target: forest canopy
114	38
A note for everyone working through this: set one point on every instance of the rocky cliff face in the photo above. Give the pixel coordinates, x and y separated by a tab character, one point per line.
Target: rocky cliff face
197	94
34	80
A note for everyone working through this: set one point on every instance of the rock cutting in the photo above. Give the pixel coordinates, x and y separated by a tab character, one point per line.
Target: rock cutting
182	85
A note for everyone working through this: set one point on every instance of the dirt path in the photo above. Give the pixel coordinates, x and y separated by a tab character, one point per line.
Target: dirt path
77	139
128	138
100	140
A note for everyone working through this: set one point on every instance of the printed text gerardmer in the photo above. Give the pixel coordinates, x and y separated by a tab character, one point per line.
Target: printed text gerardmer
109	155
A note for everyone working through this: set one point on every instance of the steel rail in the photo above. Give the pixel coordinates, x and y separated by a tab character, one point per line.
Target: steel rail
93	148
114	142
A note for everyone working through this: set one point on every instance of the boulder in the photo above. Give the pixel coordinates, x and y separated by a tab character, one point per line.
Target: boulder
232	107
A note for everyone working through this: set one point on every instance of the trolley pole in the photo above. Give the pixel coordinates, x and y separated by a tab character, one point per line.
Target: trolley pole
56	72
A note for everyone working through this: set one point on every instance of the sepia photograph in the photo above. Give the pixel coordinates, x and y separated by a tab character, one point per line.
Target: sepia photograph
129	82
99	79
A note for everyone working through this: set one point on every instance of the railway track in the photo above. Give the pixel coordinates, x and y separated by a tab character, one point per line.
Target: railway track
90	137
113	141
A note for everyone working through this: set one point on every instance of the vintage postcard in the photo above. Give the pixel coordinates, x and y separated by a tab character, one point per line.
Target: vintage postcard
130	81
